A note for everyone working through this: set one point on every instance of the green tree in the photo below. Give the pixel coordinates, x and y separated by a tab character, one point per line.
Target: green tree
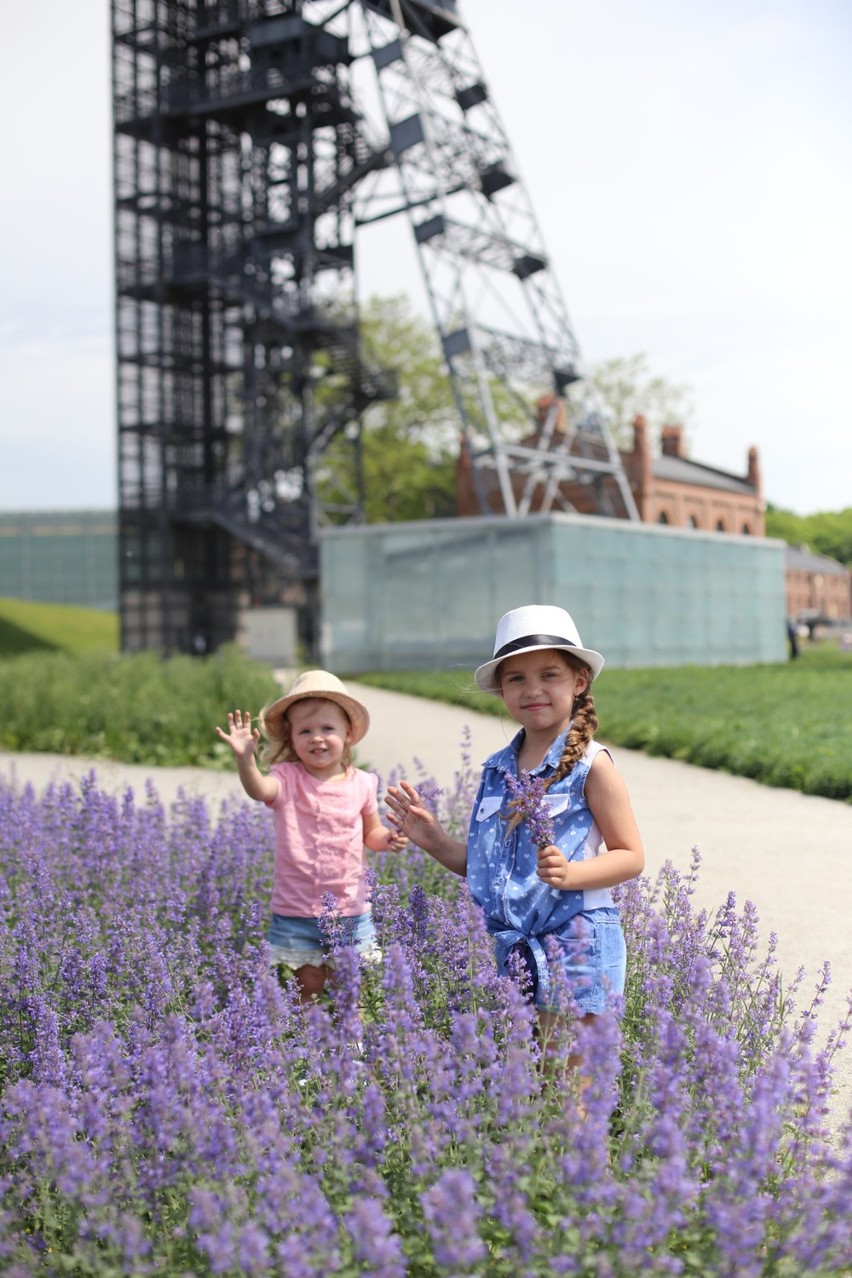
826	533
628	388
409	442
404	480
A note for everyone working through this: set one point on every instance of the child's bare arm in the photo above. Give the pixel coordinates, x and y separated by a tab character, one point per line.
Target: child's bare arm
379	838
624	857
243	739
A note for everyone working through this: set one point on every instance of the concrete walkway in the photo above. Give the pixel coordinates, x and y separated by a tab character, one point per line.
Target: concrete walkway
791	854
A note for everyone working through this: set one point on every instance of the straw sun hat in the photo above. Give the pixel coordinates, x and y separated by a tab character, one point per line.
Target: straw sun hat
320	683
526	630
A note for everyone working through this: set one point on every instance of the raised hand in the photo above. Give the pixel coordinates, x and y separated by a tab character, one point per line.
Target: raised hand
410	816
241	737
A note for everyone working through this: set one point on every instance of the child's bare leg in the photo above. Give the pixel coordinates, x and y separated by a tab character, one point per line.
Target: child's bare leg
557	1065
311	981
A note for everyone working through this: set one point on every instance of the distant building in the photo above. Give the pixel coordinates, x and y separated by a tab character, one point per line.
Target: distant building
819	589
672	489
60	557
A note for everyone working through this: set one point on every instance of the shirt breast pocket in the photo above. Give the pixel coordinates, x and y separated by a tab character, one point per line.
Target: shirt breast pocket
558	803
488	808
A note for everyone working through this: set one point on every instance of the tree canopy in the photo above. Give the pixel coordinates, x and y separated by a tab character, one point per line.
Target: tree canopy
410	443
827	533
629	388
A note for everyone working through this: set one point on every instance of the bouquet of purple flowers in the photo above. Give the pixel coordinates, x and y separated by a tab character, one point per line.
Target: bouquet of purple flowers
530	805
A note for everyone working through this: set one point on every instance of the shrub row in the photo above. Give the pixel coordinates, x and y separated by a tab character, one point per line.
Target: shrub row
138	708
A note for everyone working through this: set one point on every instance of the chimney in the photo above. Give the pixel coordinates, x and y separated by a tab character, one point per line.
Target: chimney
641	468
551	406
671	441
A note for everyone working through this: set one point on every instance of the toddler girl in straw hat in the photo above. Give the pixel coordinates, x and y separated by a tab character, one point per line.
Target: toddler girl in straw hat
324	810
542	872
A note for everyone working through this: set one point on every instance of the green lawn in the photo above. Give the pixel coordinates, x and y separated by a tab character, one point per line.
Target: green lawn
65	688
788	724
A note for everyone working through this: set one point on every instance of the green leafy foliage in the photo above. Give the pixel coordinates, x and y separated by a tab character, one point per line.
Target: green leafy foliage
410	443
826	533
403	479
629	389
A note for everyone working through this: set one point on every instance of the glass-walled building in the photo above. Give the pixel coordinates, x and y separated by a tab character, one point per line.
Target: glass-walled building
65	557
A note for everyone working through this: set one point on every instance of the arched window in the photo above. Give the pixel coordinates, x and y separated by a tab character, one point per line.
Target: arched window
745	530
662	518
720	525
693	522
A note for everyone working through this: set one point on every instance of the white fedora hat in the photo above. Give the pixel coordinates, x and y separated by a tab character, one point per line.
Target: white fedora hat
327	687
532	627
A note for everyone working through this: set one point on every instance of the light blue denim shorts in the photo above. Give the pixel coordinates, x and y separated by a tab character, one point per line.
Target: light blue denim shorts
297	941
592	955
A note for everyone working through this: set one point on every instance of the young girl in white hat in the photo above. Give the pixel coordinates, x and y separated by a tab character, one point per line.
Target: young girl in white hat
324	812
547	903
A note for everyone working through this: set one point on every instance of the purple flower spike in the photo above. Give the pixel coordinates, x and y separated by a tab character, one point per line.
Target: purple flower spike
530	804
168	1106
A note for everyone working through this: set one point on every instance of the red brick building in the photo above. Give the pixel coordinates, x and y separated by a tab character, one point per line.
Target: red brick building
668	488
819	589
672	489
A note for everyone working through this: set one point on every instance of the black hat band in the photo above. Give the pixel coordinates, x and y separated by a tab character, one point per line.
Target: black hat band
534	641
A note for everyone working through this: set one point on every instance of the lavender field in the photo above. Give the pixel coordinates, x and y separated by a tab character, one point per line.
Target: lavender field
168	1108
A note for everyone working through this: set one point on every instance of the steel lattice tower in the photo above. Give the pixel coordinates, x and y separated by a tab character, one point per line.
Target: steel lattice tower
252	138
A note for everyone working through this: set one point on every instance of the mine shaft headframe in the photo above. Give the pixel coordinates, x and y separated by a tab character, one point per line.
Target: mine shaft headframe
496	303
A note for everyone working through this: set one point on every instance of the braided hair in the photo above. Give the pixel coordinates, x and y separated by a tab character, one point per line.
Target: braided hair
584	724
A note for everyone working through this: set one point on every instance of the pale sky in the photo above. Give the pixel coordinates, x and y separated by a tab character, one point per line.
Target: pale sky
690	165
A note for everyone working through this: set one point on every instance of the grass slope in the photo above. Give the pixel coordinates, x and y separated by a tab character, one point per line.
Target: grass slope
26	627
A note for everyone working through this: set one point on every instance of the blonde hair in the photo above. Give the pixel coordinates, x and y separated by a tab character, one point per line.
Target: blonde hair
276	728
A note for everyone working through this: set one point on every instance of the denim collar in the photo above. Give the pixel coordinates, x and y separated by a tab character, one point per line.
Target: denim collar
506	760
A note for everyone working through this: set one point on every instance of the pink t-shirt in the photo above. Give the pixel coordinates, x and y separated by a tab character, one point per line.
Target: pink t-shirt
319	840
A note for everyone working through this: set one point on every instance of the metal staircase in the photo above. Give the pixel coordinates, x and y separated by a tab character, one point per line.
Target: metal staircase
246	155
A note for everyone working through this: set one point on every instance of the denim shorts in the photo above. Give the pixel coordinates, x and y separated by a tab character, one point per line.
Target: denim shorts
297	941
592	955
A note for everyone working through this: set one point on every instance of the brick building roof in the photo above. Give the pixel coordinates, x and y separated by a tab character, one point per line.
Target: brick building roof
681	470
801	559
